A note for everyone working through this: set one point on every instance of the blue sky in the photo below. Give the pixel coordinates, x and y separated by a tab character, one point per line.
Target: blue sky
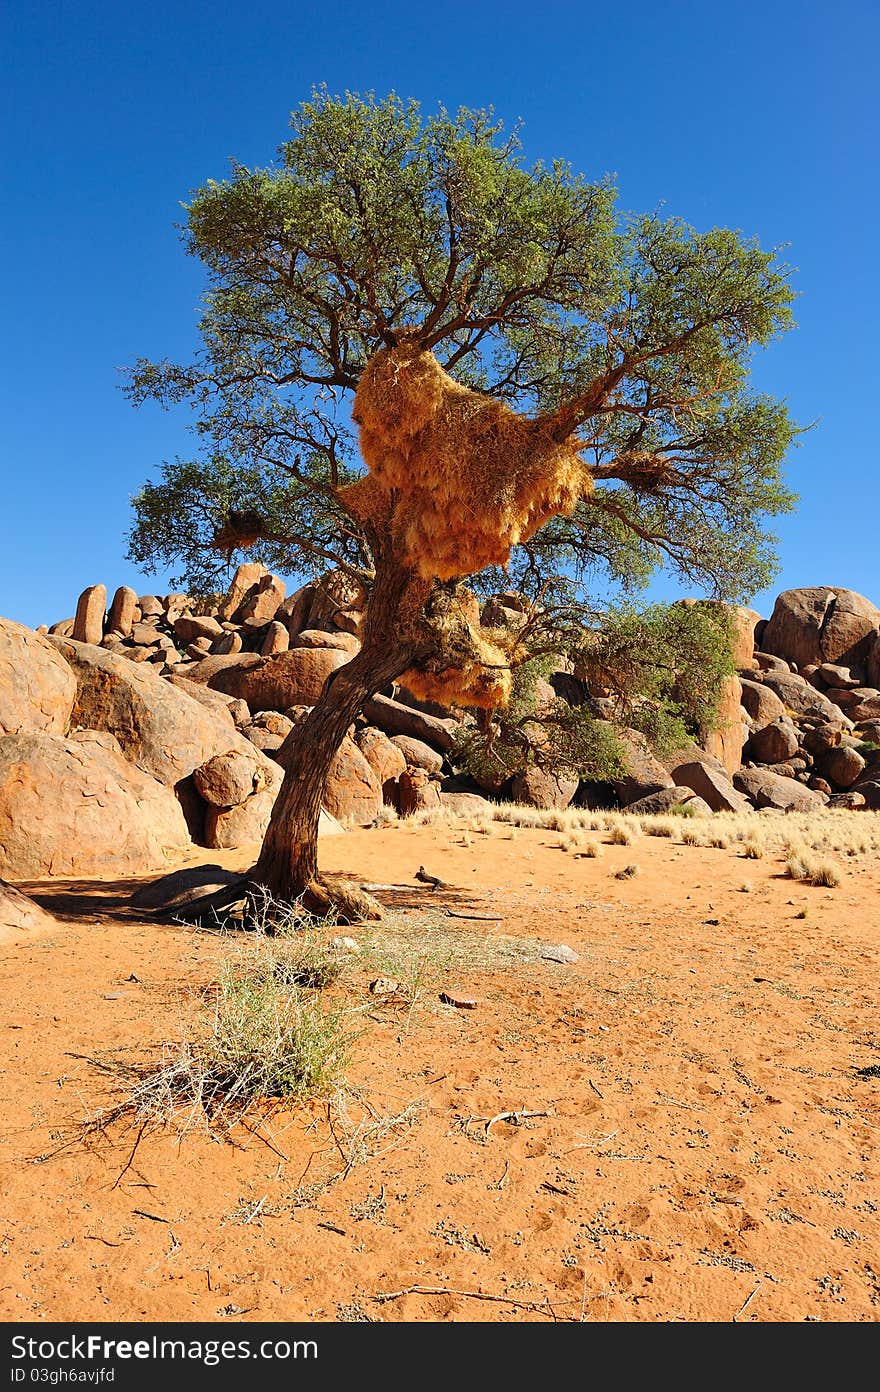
761	116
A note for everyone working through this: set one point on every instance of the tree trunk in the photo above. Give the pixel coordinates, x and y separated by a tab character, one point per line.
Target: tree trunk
288	863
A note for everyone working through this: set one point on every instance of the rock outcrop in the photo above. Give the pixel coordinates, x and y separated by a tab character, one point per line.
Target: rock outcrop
160	728
205	698
20	918
37	687
77	807
816	625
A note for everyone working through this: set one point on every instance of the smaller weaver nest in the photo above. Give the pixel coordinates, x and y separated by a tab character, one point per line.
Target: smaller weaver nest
644	471
239	530
471	665
459	477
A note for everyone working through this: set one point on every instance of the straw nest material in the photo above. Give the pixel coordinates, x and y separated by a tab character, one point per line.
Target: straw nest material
459	477
239	530
470	665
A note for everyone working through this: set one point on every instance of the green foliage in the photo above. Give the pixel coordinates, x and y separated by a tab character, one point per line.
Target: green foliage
376	221
662	668
271	1038
549	734
868	749
661	672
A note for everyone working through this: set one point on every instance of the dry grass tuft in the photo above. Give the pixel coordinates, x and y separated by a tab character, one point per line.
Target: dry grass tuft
815	870
628	872
658	826
590	849
621	834
691	836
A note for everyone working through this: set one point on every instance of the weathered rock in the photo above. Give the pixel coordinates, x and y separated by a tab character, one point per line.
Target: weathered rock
762	704
848	802
294	611
417	754
37	688
405	697
801	698
150	606
743	623
712	785
291	678
872	661
725	741
261	604
244	582
766	789
869	787
64	628
832	674
769	662
417	792
354	791
536	787
819	625
203	672
690	754
569	688
645	774
88	626
384	756
394	718
867	707
560	952
216	701
774	742
655	804
268	731
123	608
320	638
20	918
145	634
842	767
227	645
161	729
820	785
276	639
337	601
499	614
180	886
843	697
869	730
73	808
230	778
188	627
822	737
228	827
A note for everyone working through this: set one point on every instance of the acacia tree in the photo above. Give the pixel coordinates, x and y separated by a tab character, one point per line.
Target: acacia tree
543	389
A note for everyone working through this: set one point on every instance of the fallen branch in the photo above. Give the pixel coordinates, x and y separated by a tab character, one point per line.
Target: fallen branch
748	1300
515	1118
476	918
544	1307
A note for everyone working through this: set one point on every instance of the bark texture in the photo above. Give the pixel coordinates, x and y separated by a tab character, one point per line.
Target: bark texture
392	642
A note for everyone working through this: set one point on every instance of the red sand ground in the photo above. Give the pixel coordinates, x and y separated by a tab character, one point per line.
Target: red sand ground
708	1150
